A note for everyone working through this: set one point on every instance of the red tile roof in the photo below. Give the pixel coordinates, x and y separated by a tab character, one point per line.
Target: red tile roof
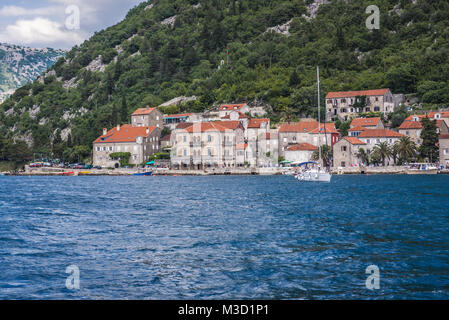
354	140
256	123
444	136
330	128
356	129
227	107
380	133
302	147
143	111
417	124
431	115
241	116
303	126
347	94
127	133
365	122
220	126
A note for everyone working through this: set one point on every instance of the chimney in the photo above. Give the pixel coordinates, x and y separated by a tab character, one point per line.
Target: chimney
118	127
105	131
148	131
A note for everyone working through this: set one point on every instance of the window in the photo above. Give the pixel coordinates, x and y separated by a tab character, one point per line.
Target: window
446	152
368	109
184	138
98	148
377	98
110	148
344	148
185	152
368	141
209	152
285	140
294	138
343	164
209	138
376	109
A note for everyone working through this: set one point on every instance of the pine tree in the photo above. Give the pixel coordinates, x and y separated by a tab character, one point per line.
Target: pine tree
124	111
294	79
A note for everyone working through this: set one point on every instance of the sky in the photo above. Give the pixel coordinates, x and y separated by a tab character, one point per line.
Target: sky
58	24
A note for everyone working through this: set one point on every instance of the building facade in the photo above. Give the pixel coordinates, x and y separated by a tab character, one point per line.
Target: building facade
346	151
147	117
139	142
343	105
444	150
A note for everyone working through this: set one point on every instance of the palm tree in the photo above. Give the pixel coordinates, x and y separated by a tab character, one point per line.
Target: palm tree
383	150
326	155
406	148
363	156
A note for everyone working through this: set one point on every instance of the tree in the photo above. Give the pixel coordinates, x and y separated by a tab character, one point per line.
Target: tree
405	149
326	155
124	111
18	153
363	156
429	135
294	79
383	151
343	127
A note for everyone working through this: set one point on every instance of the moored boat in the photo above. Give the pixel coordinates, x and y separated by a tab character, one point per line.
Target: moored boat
422	168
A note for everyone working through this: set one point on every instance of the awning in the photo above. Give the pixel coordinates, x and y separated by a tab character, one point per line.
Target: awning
305	163
150	163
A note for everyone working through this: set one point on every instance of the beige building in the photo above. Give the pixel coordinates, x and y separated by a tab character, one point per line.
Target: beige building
140	142
345	152
412	126
299	153
263	143
343	105
306	131
208	144
368	123
444	150
147	117
372	137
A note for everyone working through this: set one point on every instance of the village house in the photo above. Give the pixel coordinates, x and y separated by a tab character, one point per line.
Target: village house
345	152
299	153
372	137
226	109
306	131
147	117
140	142
444	150
412	126
208	144
343	105
166	141
262	149
361	124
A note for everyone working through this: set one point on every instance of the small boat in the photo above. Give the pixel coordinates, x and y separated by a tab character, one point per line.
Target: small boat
422	168
66	173
150	173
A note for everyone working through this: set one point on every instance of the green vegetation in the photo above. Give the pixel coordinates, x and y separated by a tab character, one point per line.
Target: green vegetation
123	158
147	63
429	135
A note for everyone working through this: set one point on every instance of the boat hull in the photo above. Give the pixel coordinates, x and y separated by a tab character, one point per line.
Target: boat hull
413	172
314	177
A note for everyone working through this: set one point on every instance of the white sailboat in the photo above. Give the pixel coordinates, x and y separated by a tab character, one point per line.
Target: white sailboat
317	174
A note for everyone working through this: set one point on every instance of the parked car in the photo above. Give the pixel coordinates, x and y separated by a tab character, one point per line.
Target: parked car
47	164
36	165
88	166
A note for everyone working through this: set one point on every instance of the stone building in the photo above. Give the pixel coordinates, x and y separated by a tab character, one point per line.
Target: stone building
343	105
444	150
147	117
299	153
345	152
412	128
208	144
140	142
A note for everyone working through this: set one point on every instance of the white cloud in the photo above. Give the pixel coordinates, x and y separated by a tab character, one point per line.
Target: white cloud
15	11
40	30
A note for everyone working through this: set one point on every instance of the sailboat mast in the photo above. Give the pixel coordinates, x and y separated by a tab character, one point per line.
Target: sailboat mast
319	116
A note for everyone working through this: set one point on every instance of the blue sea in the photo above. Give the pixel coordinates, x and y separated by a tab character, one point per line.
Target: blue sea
224	237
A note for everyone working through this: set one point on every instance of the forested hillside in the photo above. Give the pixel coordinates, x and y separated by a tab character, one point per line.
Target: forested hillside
170	48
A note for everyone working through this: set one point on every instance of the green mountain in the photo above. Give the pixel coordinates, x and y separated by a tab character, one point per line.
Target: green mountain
20	65
170	48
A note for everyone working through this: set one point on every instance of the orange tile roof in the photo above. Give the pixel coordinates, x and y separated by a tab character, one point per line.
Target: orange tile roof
347	94
410	125
241	116
365	122
220	126
431	115
380	133
127	133
302	147
303	126
354	140
444	136
256	123
226	107
330	128
355	129
143	111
